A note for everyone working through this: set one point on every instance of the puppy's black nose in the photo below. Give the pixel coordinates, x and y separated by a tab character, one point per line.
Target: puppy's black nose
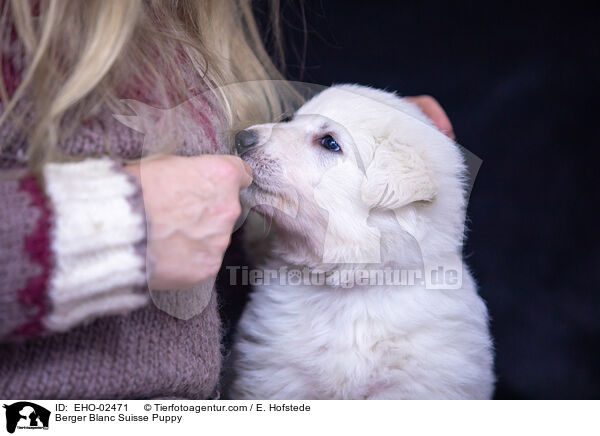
244	140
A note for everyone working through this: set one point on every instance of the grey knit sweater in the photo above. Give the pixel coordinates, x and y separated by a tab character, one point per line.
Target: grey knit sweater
76	320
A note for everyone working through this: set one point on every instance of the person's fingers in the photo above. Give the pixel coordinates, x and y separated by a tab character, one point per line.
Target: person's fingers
245	172
235	170
435	112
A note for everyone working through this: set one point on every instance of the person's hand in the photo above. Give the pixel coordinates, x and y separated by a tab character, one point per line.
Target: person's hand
434	111
192	204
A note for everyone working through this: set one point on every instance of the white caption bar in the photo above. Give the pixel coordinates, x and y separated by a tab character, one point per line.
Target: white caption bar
298	417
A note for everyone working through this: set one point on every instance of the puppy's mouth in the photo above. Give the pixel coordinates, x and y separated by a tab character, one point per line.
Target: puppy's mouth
270	191
265	172
262	187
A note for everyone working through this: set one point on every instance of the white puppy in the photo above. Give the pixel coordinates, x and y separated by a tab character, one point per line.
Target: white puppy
376	188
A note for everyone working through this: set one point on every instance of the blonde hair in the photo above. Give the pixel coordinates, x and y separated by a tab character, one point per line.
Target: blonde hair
79	54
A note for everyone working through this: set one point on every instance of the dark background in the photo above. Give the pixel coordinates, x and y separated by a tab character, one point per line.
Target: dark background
519	84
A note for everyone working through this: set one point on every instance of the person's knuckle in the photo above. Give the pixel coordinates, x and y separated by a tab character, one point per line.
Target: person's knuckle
229	210
226	169
213	269
234	210
193	277
202	269
200	274
222	242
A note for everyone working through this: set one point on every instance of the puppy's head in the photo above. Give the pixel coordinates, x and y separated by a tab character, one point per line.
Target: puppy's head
362	164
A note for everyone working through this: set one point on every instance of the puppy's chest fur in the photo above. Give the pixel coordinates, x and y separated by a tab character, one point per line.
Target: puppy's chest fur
364	343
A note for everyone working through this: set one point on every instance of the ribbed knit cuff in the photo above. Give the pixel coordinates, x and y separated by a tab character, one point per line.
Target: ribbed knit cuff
98	228
25	258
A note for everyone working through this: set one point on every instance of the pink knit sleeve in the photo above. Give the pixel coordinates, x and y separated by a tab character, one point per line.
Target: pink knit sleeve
70	251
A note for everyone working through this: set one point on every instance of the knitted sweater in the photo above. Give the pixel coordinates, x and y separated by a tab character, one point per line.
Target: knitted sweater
76	319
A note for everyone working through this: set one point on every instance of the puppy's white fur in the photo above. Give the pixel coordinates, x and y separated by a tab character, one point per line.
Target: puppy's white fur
396	190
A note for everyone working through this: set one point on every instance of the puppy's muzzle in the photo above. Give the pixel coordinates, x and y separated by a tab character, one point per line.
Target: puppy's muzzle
245	140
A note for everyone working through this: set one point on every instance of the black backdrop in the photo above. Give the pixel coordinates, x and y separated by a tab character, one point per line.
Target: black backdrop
518	82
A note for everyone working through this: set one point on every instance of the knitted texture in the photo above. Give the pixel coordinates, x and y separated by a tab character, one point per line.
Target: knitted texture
18	218
37	245
98	270
144	354
55	269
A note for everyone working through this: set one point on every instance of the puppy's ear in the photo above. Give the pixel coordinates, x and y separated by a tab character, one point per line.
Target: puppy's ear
397	176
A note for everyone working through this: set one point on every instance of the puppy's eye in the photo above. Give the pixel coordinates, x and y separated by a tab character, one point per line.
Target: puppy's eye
286	118
329	143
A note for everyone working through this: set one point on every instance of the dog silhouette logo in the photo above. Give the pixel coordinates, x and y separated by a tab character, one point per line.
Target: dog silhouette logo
26	415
